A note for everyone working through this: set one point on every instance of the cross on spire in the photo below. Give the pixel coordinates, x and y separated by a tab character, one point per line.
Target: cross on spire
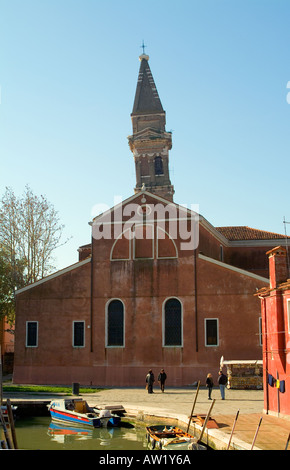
143	46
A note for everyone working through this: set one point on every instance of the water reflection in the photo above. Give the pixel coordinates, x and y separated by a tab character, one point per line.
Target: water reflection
43	434
63	434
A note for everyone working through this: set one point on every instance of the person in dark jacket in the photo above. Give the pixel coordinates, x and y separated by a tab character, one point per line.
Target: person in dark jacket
222	381
209	384
150	379
161	379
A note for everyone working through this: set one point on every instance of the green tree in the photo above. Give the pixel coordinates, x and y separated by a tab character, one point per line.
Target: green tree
30	230
8	283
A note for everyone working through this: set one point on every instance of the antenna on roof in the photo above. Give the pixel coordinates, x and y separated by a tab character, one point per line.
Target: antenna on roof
286	244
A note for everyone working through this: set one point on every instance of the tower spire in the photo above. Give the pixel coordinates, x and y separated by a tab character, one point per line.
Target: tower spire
150	143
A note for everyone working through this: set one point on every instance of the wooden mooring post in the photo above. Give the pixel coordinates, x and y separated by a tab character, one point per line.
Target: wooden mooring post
205	421
256	433
5	430
287	443
193	406
11	423
233	428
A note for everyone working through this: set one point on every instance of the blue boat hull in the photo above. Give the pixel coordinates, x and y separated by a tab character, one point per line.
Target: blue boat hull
71	418
114	421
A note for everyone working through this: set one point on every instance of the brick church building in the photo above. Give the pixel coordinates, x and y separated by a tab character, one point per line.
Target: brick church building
157	287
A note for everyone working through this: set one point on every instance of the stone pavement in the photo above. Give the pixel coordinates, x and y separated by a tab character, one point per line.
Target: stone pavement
177	403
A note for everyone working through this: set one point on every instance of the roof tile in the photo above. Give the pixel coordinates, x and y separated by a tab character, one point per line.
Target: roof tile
248	233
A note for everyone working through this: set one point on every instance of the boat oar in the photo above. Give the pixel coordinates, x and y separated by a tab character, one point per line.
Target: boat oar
193	406
256	433
233	428
205	421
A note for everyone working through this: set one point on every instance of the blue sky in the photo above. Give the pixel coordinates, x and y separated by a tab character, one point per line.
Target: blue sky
68	75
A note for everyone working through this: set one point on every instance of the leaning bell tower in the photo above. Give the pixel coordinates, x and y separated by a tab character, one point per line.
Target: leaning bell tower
150	143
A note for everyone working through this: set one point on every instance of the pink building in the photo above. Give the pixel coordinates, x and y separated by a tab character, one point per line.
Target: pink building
275	307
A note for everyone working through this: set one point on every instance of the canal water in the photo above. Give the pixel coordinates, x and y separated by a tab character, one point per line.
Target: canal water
41	433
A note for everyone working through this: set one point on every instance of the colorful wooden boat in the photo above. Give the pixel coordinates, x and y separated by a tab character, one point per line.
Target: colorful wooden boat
77	412
172	438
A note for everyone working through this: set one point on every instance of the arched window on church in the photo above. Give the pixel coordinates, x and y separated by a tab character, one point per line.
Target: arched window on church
115	323
172	323
158	165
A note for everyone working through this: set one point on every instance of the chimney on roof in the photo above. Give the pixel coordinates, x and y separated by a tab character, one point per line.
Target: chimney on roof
277	266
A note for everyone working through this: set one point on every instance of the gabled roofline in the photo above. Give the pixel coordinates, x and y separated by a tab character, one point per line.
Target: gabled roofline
202	221
53	276
135	196
214	232
233	268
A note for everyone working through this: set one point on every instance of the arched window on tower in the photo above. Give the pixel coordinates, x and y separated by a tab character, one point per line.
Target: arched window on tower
115	323
172	323
158	165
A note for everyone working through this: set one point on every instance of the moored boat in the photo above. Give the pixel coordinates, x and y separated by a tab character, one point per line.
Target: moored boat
77	412
172	438
4	412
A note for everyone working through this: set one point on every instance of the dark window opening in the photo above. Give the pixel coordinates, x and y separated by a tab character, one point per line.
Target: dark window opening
172	326
79	334
211	333
115	323
31	334
158	166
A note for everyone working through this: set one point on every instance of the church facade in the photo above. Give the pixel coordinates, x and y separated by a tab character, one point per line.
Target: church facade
157	287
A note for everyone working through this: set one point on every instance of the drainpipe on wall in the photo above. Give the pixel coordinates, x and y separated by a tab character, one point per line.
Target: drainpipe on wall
92	296
195	299
278	398
265	350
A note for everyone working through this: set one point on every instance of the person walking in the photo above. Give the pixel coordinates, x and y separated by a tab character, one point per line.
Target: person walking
161	379
222	381
150	381
209	384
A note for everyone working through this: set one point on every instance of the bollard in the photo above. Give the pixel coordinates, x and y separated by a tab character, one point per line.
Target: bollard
76	388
